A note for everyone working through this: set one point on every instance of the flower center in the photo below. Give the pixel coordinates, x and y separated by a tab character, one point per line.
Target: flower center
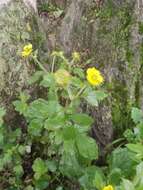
93	77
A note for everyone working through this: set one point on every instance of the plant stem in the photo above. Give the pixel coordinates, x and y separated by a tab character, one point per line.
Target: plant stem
69	93
53	64
80	92
115	142
40	65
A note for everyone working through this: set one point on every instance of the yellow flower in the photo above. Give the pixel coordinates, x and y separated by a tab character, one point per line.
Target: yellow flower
76	56
62	77
109	187
94	76
27	50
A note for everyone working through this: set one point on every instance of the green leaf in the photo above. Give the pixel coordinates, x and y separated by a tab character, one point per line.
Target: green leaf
38	109
128	185
93	97
18	170
40	168
139	128
29	187
79	72
87	147
140	187
69	133
35	127
129	135
88	61
98	181
137	115
1	164
43	109
15	135
1	140
115	176
54	123
36	77
69	165
7	158
84	181
24	97
81	119
21	105
120	156
21	149
58	137
42	183
100	95
52	94
139	174
52	165
137	148
69	146
139	170
48	80
93	178
77	82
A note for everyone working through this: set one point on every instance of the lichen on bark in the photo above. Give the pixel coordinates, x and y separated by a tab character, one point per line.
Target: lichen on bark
14	34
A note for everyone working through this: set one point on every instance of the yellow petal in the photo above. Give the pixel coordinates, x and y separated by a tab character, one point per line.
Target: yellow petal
94	76
109	187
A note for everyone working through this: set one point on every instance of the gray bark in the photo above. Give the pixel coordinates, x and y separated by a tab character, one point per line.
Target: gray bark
14	34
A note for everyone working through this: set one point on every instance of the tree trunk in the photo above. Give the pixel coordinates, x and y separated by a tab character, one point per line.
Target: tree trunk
17	28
